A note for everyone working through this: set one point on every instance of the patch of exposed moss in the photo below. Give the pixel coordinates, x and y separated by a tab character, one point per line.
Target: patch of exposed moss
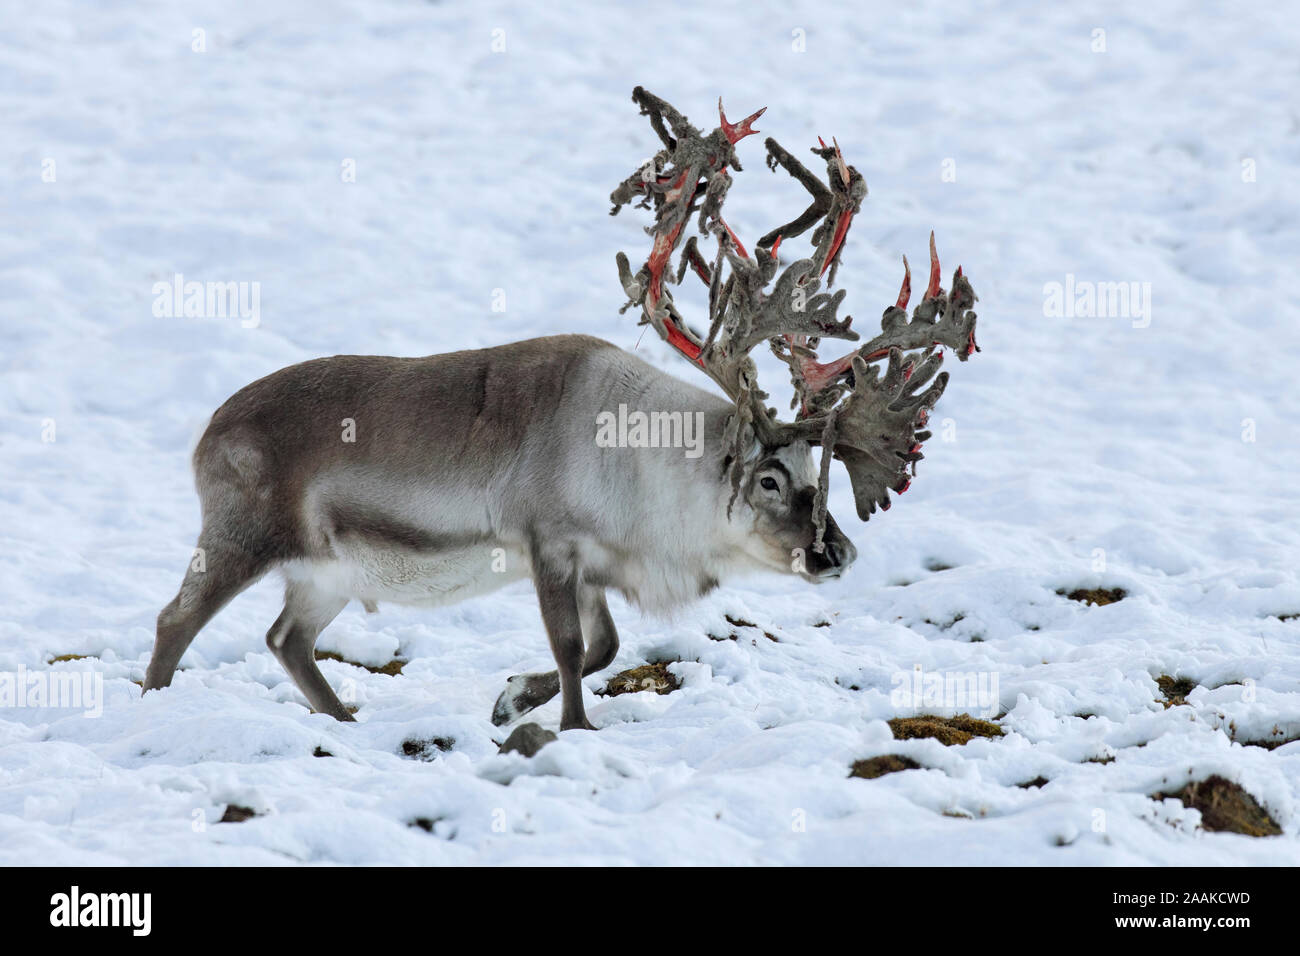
321	752
1225	807
1175	689
1098	596
1288	617
1103	759
1277	738
741	622
1039	781
655	677
733	636
237	814
391	669
70	657
427	749
874	767
945	625
947	730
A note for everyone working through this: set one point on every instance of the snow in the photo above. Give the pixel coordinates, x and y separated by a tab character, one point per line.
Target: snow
1156	456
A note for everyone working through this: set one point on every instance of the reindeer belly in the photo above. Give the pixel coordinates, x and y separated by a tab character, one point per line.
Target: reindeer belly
442	577
374	554
373	574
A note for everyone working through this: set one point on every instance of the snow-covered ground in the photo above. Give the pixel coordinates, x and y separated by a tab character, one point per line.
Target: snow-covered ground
1154	451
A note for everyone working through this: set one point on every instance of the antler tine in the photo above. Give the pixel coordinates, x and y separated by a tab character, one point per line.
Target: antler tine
954	328
939	319
932	289
905	291
834	204
796	311
740	130
659	110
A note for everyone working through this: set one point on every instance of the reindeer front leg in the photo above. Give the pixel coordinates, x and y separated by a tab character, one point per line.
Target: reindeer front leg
525	692
557	593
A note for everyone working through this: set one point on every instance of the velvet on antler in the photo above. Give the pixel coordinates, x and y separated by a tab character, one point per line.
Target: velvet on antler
873	424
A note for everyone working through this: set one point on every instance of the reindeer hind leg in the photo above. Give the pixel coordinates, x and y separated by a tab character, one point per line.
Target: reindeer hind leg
217	573
292	639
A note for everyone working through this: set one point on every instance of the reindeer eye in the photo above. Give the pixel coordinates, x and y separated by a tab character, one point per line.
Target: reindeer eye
769	484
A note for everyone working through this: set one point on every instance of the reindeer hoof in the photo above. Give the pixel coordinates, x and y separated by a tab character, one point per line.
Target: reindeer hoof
524	692
505	710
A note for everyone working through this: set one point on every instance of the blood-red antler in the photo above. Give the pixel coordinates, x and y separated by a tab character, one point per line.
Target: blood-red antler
871	426
740	130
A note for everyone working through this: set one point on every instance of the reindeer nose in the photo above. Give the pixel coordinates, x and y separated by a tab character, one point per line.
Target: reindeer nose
841	553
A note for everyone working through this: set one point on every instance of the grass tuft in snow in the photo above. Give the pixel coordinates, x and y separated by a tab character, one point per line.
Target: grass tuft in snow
874	767
391	669
1175	689
947	730
1225	807
1098	596
655	677
237	814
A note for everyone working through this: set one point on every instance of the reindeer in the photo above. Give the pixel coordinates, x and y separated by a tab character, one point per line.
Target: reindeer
469	470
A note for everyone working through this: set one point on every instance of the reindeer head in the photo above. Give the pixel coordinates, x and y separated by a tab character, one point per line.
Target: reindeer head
775	514
872	423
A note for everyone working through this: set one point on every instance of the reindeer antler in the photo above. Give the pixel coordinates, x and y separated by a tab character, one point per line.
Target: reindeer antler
873	427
